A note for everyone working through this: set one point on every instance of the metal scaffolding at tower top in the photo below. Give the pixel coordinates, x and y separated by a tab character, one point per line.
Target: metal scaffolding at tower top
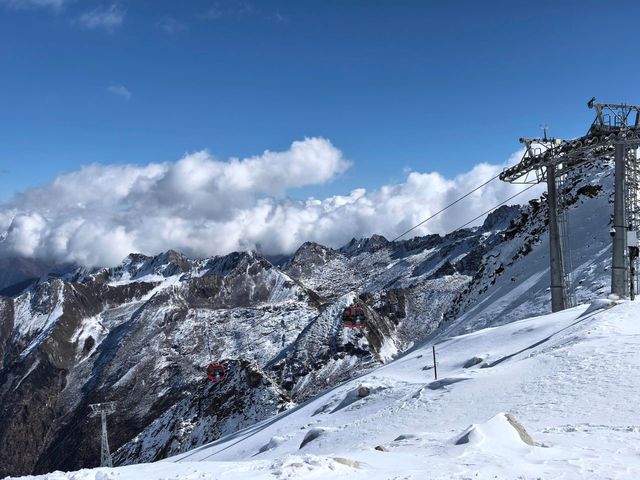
614	124
613	135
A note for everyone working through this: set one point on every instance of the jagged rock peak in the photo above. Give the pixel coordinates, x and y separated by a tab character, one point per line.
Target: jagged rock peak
312	246
223	265
309	257
168	263
370	244
502	217
172	256
312	252
134	260
138	265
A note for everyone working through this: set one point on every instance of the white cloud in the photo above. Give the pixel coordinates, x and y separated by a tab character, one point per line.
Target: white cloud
19	4
230	9
171	25
24	233
120	91
204	206
103	17
240	10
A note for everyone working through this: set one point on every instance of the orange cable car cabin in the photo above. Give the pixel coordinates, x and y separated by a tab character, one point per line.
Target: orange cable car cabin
354	317
215	372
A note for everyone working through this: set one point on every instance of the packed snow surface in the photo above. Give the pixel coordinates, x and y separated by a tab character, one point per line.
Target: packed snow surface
571	379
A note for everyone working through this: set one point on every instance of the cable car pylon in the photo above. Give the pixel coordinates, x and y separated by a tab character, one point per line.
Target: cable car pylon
102	410
614	135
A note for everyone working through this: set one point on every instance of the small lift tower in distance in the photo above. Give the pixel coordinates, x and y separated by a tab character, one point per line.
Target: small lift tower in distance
104	409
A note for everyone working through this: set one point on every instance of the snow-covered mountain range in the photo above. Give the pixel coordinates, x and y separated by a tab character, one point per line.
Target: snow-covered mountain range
142	333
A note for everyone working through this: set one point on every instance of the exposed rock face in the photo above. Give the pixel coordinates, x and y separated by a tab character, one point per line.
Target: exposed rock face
247	395
139	334
142	333
363	392
522	432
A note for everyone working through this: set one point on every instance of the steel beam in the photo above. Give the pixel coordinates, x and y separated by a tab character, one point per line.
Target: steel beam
556	265
105	453
619	281
104	409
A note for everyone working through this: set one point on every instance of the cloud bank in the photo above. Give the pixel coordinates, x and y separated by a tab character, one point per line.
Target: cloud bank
204	206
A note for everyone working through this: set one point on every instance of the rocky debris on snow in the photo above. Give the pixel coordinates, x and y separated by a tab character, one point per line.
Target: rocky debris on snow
381	448
271	444
356	395
348	462
472	362
363	391
305	466
406	436
600	304
522	432
311	435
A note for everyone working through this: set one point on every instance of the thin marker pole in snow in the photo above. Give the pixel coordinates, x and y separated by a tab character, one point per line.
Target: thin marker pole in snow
435	367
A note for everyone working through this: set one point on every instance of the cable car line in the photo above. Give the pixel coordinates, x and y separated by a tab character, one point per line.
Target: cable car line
493	208
215	371
445	208
208	335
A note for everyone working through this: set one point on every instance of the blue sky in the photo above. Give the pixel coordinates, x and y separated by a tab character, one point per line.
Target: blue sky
118	119
393	84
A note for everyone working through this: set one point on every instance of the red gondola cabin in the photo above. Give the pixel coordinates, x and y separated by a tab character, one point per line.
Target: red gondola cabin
215	372
354	317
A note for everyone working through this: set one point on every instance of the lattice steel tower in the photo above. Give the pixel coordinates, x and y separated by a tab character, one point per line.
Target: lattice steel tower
104	409
613	135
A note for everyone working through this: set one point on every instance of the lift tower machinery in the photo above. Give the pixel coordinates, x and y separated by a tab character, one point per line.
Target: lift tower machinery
102	410
613	135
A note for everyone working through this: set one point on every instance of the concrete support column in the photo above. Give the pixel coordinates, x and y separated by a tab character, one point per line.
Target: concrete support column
558	287
619	274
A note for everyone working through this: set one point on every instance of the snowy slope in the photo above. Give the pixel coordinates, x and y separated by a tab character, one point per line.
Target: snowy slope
513	282
571	379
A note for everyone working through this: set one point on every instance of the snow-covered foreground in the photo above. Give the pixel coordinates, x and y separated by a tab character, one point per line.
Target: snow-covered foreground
572	379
